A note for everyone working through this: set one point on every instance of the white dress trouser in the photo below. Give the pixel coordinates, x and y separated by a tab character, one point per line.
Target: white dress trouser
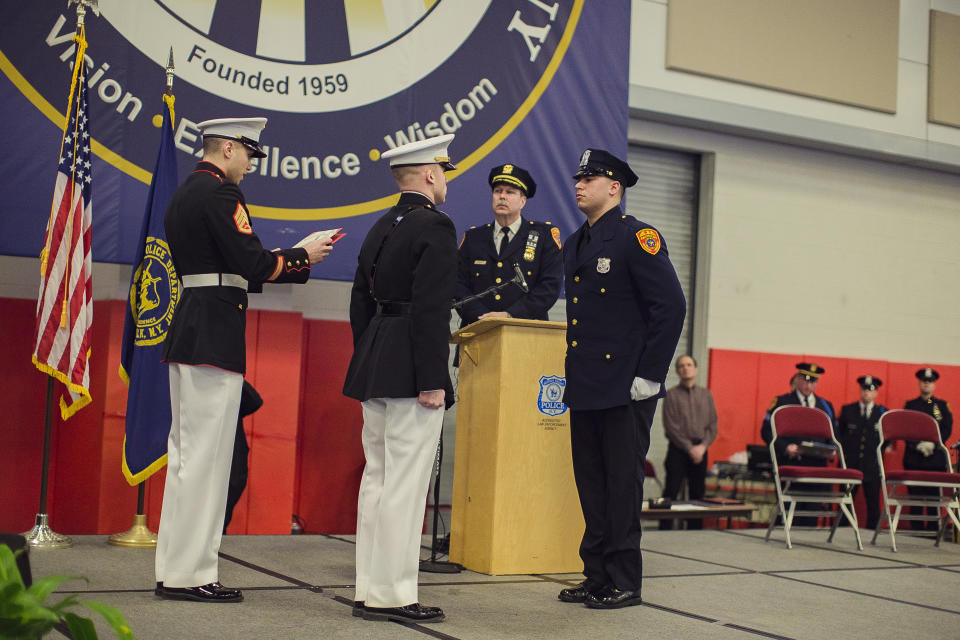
400	439
205	403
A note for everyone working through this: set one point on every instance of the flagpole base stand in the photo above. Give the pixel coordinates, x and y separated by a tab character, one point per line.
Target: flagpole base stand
138	536
43	537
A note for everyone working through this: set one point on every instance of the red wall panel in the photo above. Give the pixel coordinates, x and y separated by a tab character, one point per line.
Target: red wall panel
330	455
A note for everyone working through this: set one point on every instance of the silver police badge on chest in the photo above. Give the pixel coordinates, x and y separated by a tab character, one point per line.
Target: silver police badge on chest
603	265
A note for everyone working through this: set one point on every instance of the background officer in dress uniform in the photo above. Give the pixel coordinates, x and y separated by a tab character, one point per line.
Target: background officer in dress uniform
925	456
787	449
857	433
400	317
625	311
488	253
219	258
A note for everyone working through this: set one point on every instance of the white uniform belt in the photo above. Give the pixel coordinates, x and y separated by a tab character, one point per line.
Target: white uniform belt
214	280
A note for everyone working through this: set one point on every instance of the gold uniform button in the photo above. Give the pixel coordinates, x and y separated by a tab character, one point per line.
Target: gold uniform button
499	264
289	264
573	344
498	280
574	321
529	273
240	306
602	290
575	300
496	297
576	278
607	356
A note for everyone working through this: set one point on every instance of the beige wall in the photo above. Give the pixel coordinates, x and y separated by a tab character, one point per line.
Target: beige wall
838	51
944	99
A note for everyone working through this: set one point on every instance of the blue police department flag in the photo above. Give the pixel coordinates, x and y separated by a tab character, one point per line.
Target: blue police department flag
153	295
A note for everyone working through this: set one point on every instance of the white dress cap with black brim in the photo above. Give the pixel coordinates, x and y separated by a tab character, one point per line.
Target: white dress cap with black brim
428	151
244	130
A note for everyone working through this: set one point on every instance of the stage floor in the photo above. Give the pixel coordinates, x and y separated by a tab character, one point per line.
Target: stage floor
697	584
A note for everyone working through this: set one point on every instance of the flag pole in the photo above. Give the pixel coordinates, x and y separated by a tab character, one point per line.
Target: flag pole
41	535
140	535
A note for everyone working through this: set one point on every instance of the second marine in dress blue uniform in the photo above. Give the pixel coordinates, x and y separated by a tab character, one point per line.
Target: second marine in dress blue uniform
625	312
534	247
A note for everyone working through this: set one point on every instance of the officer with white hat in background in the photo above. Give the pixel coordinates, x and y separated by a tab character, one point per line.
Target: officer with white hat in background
219	259
400	317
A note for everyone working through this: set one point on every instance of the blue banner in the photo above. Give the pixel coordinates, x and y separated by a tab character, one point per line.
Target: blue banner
530	82
154	292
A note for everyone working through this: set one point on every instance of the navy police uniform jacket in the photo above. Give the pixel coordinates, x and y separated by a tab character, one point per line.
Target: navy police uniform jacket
209	231
766	432
535	248
400	317
859	438
625	311
940	410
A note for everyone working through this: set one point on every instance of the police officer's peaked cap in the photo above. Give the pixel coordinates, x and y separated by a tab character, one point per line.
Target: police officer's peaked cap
428	151
810	371
597	162
870	382
244	130
928	375
514	176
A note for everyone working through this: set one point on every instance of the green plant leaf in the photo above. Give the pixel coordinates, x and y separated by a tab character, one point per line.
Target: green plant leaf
80	628
113	616
8	567
45	586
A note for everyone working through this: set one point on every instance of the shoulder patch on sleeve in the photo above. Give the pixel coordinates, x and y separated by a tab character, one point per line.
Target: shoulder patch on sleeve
773	404
242	220
556	236
649	239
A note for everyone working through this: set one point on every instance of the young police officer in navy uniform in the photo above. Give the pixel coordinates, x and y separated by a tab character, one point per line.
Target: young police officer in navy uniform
488	253
925	456
857	433
625	311
400	317
787	449
218	258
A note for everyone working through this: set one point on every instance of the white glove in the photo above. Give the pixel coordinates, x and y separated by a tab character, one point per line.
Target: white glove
926	448
641	389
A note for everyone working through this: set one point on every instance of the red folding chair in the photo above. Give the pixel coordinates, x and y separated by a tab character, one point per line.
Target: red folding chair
905	424
805	422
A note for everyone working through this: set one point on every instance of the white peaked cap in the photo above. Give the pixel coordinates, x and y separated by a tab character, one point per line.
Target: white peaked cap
429	151
245	130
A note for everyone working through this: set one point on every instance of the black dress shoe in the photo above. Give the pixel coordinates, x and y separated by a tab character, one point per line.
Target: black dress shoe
213	592
613	598
358	608
578	593
410	613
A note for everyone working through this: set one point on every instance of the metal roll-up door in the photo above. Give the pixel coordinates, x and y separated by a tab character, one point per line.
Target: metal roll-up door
667	197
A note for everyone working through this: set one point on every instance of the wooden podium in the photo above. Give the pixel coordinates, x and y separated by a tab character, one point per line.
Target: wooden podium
515	506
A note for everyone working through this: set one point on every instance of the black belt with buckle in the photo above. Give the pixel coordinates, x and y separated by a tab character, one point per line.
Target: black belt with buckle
394	308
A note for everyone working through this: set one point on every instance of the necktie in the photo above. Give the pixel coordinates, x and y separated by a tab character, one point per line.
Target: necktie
503	240
863	411
584	241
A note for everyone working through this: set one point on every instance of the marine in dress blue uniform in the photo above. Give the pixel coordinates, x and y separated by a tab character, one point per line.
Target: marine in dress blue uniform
857	433
218	258
807	376
625	312
533	245
400	318
920	455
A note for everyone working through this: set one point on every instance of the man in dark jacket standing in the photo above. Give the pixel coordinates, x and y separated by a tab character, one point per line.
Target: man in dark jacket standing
926	456
488	254
625	311
218	258
400	317
857	433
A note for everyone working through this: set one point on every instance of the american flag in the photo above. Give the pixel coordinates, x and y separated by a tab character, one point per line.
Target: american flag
65	303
